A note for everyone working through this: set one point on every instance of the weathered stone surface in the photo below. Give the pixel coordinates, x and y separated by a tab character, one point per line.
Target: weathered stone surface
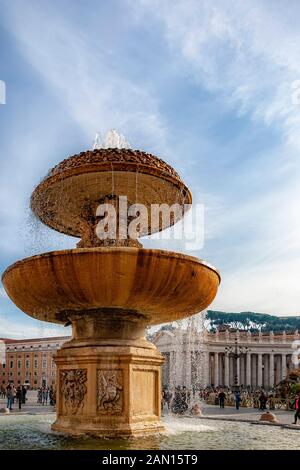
161	285
116	156
73	389
88	177
122	382
110	389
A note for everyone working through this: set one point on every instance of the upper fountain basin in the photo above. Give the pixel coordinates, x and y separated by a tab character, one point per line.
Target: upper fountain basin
162	285
89	176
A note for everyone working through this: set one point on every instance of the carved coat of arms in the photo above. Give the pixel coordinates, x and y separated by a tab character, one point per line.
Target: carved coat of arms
73	389
110	391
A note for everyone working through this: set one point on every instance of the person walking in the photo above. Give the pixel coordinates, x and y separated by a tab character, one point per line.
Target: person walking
237	398
14	390
222	397
45	396
51	396
297	406
24	391
9	396
19	396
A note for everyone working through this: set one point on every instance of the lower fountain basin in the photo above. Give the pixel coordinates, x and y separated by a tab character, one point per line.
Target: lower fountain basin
163	286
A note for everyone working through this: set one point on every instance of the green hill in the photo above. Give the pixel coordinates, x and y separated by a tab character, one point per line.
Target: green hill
252	321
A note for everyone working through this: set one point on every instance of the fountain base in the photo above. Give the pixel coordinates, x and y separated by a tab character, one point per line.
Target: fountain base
108	387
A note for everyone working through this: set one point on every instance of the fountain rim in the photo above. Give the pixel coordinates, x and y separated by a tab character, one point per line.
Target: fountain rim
129	250
56	176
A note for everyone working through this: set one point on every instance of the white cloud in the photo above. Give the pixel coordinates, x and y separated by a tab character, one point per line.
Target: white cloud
248	59
239	50
81	72
19	330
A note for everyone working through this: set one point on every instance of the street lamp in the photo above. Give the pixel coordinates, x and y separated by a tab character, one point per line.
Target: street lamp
237	352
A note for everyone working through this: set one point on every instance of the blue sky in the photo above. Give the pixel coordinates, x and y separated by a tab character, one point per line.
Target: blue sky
211	87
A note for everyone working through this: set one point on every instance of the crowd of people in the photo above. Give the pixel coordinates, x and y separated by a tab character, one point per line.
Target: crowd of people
180	399
17	395
44	394
245	397
14	394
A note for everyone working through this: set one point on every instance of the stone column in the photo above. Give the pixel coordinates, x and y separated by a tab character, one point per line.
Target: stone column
283	366
237	371
259	370
230	370
205	368
243	370
266	371
271	370
253	370
226	370
278	369
248	369
216	370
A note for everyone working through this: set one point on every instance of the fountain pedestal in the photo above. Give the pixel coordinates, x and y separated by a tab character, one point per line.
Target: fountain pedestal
108	377
110	288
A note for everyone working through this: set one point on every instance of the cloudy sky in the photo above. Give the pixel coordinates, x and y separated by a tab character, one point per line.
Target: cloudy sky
212	87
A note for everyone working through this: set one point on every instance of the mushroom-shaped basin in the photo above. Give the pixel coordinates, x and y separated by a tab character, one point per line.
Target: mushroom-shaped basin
162	285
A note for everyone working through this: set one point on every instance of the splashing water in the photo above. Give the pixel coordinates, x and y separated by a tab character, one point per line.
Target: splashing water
180	425
112	140
188	336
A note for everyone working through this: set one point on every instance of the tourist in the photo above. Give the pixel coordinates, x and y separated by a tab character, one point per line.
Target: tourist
19	396
24	391
263	401
45	396
271	402
237	398
168	398
51	396
222	397
39	396
9	396
14	390
297	407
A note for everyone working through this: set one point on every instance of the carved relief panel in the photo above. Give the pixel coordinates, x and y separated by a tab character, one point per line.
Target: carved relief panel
73	389
110	391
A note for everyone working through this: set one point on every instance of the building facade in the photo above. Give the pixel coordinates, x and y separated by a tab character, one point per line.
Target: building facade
29	361
208	359
191	358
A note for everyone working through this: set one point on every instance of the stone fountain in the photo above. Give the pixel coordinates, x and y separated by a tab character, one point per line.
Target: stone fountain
109	289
